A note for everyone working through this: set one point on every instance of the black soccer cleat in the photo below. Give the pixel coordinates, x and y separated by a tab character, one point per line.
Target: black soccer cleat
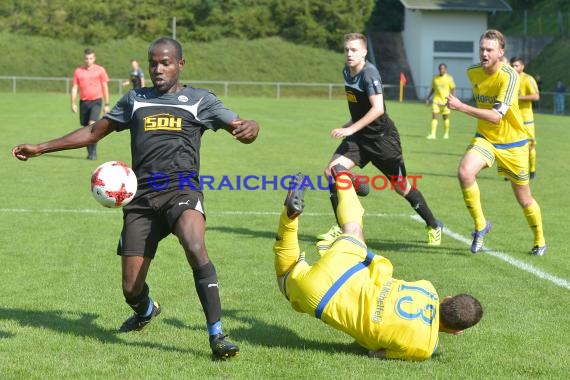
538	250
222	348
362	189
137	322
294	200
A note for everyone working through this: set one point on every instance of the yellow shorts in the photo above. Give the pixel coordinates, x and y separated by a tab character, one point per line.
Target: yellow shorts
440	108
511	162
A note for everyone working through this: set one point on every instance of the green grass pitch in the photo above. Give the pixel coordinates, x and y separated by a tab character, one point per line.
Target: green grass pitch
61	301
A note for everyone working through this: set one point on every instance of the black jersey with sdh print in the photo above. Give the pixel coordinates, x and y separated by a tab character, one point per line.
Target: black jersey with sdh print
166	131
358	88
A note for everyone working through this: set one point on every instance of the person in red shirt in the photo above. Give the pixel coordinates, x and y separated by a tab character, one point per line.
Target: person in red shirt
90	80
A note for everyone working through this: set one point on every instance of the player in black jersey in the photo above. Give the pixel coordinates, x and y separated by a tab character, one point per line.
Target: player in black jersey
371	136
166	123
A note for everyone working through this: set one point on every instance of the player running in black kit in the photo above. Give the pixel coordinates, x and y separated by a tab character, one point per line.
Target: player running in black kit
166	123
371	136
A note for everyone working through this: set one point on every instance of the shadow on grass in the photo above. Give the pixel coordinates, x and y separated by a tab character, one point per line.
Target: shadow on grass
258	233
76	324
261	333
432	174
246	231
453	174
380	246
4	334
437	153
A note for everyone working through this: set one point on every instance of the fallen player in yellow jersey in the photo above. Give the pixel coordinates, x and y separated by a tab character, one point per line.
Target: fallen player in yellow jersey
352	289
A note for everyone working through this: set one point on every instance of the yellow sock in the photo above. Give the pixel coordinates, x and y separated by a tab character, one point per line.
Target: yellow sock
349	208
446	126
286	245
532	160
534	218
472	198
433	126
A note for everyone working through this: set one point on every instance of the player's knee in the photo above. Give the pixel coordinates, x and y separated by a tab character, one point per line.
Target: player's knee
353	228
132	289
462	177
196	253
194	248
465	175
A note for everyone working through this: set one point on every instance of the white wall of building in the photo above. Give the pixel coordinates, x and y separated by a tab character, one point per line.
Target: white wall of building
422	28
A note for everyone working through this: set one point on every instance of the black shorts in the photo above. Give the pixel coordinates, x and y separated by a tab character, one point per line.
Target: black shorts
151	217
384	150
89	110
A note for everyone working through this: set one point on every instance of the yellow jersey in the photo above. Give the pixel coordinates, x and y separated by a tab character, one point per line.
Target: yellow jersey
528	87
442	86
352	290
500	87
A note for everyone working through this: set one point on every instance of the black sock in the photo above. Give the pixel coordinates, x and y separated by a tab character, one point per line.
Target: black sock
141	302
206	282
418	203
333	194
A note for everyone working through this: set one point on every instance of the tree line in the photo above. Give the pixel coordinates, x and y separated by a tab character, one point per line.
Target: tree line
319	23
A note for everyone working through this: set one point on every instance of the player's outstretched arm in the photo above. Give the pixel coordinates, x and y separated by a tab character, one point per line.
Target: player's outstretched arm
376	110
493	115
245	131
77	139
428	97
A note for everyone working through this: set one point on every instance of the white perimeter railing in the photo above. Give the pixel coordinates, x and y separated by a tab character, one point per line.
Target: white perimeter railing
13	84
17	84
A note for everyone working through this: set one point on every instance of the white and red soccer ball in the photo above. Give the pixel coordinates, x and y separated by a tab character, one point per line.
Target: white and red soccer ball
113	184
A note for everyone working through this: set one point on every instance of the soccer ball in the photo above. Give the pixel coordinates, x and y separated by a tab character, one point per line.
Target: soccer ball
113	184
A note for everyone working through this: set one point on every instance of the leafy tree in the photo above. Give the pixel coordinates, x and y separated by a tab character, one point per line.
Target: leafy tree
315	22
321	22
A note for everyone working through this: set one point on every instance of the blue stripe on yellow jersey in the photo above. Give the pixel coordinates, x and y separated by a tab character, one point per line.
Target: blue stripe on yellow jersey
397	316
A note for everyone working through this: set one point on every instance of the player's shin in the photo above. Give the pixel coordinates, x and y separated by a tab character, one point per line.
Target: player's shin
419	204
141	303
206	283
286	247
433	127
472	198
333	195
533	216
446	124
349	208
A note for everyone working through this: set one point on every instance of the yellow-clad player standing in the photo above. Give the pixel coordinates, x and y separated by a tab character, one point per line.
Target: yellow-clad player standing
528	93
352	289
501	136
441	86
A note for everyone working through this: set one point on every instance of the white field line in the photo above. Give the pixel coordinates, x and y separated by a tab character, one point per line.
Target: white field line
111	210
506	258
55	211
467	241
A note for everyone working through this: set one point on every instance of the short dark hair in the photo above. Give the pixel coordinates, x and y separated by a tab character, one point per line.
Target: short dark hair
356	36
88	51
517	59
169	41
460	312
